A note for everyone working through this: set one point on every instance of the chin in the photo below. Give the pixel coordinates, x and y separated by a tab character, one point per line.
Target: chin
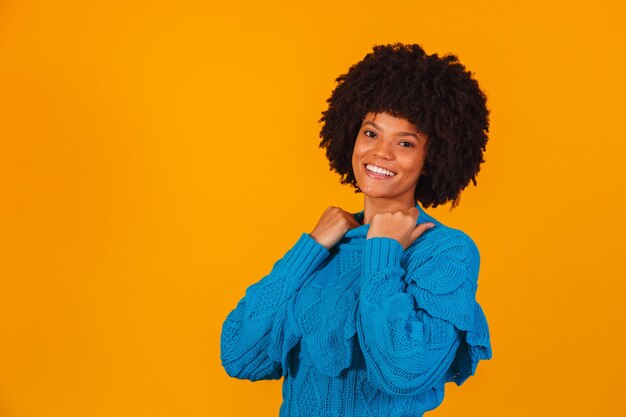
375	193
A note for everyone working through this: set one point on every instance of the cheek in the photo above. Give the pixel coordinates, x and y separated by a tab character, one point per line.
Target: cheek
356	156
356	169
415	167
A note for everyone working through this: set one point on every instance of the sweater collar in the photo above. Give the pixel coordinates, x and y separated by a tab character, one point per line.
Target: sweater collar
361	231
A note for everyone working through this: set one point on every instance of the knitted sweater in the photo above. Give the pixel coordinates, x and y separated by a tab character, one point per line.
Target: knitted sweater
365	329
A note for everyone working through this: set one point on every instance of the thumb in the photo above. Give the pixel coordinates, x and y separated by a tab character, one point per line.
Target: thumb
419	229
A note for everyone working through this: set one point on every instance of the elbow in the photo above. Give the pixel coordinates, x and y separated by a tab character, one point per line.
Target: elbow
234	365
251	371
252	364
234	369
410	377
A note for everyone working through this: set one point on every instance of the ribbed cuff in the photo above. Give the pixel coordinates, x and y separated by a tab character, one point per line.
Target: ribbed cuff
305	256
381	253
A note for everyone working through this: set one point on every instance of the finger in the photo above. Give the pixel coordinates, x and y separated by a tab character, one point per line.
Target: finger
413	212
421	228
351	220
347	214
343	211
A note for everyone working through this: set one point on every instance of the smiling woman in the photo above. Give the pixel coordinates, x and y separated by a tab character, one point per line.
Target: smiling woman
388	158
373	312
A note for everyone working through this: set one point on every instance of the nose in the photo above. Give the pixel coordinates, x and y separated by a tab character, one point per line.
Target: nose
383	150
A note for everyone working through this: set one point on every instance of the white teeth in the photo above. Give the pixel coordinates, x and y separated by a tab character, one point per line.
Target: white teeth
379	170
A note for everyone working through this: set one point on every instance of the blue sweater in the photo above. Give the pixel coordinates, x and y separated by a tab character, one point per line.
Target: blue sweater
365	329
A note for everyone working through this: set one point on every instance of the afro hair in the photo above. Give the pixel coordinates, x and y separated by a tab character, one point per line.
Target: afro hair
436	94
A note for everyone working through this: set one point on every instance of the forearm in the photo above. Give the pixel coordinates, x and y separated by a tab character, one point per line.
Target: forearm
406	350
247	331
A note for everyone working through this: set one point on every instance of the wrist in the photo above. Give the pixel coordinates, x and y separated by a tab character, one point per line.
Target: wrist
391	236
381	253
320	241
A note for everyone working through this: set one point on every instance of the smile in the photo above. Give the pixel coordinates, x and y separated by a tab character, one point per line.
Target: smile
378	170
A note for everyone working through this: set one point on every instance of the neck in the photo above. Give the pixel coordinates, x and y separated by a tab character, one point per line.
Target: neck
372	206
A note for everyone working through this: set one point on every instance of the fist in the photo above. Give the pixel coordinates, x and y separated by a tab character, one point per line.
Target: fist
331	227
399	226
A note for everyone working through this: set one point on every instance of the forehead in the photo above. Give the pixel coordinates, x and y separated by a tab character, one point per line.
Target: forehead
389	122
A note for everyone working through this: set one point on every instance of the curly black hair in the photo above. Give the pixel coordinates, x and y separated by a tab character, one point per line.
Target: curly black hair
436	94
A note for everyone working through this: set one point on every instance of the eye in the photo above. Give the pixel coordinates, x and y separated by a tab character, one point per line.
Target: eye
369	133
406	144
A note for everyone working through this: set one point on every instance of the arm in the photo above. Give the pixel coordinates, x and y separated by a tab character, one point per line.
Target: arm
412	323
253	336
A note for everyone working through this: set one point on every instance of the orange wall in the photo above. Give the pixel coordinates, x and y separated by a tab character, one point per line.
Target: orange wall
157	157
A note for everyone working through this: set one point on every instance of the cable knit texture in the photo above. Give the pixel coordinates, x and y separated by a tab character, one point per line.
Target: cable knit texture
365	329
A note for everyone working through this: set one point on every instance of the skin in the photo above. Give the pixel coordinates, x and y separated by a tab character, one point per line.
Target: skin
394	144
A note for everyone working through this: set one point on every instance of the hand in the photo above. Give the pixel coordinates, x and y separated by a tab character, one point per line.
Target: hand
399	226
331	227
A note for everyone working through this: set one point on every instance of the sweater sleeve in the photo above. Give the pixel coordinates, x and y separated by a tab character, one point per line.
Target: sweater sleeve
420	324
253	342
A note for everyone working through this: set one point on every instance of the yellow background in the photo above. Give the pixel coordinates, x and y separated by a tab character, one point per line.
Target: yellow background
157	157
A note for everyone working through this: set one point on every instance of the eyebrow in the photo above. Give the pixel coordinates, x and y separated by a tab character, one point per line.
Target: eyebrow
369	122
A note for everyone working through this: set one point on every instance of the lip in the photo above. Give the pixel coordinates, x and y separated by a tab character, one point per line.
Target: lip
376	175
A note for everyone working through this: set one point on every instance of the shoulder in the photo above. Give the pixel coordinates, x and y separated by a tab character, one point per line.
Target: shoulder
443	247
442	238
446	240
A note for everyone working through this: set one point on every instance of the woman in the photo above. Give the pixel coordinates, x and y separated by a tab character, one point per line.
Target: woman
372	313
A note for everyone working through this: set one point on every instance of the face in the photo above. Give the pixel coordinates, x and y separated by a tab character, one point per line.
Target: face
388	158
